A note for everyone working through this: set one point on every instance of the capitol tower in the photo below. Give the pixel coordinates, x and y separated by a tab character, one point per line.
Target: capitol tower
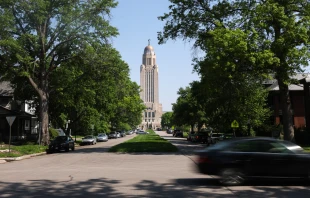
151	117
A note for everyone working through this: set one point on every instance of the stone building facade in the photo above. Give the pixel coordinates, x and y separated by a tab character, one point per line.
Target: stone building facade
151	117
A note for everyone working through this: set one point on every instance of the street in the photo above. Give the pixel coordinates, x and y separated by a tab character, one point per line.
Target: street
90	171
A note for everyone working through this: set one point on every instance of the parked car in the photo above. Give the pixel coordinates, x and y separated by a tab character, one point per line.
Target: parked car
215	137
239	159
169	131
177	133
190	135
90	139
201	137
61	143
61	132
129	132
118	134
142	132
102	137
122	133
113	135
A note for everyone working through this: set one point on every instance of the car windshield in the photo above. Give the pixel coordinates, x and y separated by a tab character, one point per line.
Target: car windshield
101	135
293	147
219	146
89	137
216	135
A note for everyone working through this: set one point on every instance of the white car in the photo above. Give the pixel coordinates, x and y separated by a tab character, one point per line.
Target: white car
142	132
102	137
89	139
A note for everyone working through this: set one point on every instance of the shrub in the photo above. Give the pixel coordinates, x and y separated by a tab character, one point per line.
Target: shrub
53	133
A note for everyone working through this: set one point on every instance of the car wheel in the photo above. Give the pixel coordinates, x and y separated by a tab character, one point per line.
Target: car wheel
67	149
231	177
73	148
93	143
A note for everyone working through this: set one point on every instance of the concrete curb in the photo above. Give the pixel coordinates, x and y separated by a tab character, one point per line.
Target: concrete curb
10	159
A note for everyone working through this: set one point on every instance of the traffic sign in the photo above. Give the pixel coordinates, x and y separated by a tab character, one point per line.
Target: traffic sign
235	124
10	119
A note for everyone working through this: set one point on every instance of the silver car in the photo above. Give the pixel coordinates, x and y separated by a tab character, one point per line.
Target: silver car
102	137
142	132
90	139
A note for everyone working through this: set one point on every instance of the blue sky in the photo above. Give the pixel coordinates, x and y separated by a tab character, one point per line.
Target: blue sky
137	22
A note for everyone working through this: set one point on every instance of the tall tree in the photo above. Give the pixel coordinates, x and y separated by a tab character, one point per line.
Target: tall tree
279	29
187	110
166	120
38	36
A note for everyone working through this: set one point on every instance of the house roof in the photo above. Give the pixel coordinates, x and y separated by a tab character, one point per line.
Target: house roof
6	89
7	112
274	86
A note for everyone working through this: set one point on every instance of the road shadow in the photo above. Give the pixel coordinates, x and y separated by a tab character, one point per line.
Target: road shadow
103	187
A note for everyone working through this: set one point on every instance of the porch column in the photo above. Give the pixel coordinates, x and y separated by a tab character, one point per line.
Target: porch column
306	84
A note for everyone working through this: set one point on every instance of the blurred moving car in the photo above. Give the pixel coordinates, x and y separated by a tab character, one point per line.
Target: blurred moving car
142	132
239	159
112	135
102	137
89	139
61	143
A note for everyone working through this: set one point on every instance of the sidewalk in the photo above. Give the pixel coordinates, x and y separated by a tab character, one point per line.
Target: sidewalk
10	159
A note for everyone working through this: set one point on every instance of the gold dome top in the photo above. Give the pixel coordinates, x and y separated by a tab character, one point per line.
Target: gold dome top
149	50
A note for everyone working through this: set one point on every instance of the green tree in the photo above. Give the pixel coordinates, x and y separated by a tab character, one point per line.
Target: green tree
187	110
166	120
275	36
38	36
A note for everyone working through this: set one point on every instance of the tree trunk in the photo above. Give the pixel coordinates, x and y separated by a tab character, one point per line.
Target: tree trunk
286	107
44	119
43	109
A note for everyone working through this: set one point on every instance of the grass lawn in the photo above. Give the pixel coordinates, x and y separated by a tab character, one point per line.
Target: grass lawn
17	151
145	143
306	148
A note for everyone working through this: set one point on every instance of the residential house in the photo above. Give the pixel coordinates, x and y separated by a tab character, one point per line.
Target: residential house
297	96
24	125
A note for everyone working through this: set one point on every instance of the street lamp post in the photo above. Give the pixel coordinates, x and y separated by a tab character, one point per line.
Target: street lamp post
67	126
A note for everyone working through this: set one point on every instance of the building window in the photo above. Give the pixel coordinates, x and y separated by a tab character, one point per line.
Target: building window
154	61
153	114
149	120
149	61
145	120
145	114
149	114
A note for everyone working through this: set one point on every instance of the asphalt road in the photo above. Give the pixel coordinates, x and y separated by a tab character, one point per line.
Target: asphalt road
90	171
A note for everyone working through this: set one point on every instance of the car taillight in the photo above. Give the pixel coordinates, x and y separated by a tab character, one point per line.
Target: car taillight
203	159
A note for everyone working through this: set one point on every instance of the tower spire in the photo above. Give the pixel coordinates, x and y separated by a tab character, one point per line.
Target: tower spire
149	41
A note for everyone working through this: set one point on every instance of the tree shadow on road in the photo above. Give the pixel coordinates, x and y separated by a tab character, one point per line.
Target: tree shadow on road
183	187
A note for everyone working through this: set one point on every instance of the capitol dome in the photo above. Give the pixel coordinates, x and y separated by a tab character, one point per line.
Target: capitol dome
149	50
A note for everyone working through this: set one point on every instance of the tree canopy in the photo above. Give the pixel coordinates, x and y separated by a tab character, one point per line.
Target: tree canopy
42	40
257	38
